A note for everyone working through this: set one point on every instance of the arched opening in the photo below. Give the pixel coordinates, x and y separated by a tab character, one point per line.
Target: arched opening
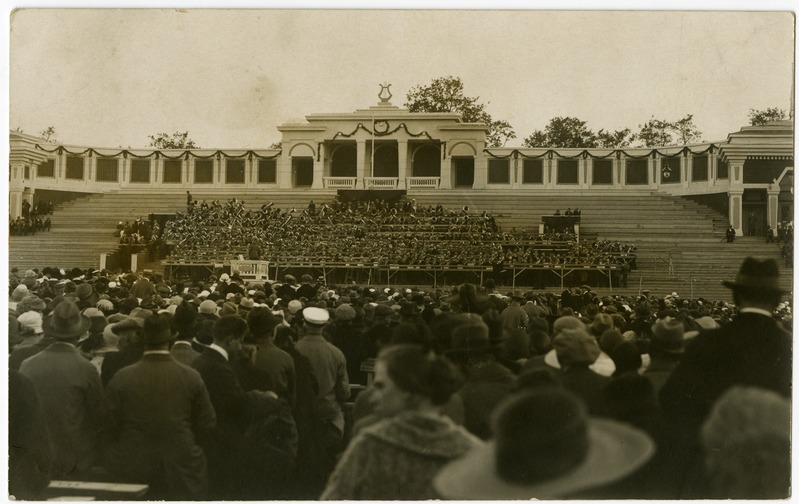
386	161
427	161
344	161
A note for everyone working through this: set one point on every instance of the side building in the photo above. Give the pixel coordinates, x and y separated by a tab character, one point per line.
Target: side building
748	176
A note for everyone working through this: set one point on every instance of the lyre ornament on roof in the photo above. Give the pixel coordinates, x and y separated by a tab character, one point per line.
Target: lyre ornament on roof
384	88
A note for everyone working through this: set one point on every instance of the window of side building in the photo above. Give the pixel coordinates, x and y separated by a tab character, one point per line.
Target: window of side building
267	171
173	169
499	171
203	171
140	171
670	172
46	169
636	172
74	167
107	170
234	171
533	171
568	171
699	170
602	172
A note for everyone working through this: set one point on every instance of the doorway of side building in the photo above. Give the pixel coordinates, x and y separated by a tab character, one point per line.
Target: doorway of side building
302	170
386	161
463	171
755	206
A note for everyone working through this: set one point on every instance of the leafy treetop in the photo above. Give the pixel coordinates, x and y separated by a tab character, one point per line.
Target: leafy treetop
178	140
445	94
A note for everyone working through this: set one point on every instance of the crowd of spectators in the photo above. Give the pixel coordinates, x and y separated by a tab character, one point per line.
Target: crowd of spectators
32	220
374	233
301	389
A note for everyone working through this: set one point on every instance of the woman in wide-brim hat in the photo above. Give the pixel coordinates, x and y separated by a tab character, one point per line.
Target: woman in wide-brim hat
545	447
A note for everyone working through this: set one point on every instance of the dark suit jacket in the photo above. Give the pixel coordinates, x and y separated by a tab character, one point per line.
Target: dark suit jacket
70	394
588	385
752	350
229	400
157	409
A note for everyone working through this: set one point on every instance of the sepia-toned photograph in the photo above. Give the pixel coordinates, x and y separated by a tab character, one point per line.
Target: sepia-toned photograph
454	252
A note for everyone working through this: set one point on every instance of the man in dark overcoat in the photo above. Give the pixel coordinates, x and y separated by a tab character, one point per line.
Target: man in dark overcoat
752	350
157	410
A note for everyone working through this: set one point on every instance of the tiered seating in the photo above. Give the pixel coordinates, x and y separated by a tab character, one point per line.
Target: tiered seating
375	233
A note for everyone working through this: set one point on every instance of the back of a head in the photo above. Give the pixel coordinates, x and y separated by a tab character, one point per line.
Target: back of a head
261	322
157	329
747	442
418	371
229	327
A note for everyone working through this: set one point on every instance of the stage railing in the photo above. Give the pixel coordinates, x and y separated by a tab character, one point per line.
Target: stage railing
422	182
380	182
251	270
340	182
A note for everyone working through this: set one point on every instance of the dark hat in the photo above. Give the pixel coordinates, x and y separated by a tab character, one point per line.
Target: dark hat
517	294
471	337
345	312
126	324
575	346
382	310
668	335
757	274
409	309
157	329
66	322
545	447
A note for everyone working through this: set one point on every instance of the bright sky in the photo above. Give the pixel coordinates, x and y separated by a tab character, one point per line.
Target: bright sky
109	78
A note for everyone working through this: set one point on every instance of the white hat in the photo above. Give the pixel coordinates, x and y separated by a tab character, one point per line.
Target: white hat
208	307
203	294
315	316
295	306
32	321
224	277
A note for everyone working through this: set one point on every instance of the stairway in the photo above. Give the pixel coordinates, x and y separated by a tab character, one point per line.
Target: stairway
660	225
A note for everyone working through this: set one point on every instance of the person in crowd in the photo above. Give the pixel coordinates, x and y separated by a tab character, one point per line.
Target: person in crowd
747	445
30	452
69	390
397	458
271	369
348	337
157	410
310	475
129	344
514	317
730	234
330	368
546	446
183	326
666	349
576	350
751	350
487	381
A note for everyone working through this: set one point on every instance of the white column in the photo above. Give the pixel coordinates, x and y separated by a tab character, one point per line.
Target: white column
283	168
402	162
736	211
361	162
773	205
90	172
446	170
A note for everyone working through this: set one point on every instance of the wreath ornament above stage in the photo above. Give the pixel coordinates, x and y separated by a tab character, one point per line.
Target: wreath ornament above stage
381	127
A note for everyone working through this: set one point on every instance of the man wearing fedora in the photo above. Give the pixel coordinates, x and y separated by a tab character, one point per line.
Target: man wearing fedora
69	391
751	350
157	410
